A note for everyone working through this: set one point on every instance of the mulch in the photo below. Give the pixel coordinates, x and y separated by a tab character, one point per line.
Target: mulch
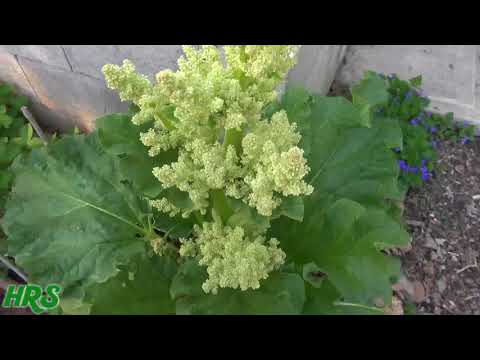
444	218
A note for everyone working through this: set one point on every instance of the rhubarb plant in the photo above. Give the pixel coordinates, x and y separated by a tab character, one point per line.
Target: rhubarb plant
213	196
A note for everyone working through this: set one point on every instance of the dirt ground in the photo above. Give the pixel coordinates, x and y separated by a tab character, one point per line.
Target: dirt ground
444	220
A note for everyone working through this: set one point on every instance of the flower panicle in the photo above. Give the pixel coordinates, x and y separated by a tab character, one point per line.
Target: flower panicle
209	113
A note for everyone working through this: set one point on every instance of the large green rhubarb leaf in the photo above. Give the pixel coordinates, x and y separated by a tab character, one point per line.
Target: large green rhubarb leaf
346	224
348	160
281	293
121	138
143	288
298	103
345	241
70	219
372	90
326	300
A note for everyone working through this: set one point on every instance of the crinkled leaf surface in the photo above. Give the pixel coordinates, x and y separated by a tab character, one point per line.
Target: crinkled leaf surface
322	298
371	90
348	160
297	102
345	223
243	215
121	138
280	293
141	289
70	220
344	240
326	300
291	207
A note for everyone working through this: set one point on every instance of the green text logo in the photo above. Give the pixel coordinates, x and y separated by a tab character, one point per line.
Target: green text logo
32	296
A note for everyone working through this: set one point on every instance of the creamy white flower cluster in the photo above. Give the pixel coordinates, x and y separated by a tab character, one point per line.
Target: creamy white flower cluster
210	112
232	259
198	108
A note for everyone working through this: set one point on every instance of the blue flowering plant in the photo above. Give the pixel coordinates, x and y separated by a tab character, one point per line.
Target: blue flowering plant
423	131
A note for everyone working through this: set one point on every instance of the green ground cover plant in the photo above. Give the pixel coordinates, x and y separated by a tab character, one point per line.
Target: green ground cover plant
16	134
423	131
16	137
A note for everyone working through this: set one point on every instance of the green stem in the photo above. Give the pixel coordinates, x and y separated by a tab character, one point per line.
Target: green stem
198	217
220	205
85	203
339	303
167	124
233	137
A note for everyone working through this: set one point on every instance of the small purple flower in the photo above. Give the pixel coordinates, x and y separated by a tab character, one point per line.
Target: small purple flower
407	168
414	121
397	150
403	165
425	173
424	163
433	130
465	141
429	114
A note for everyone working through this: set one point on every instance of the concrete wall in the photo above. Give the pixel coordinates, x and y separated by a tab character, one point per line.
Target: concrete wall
451	73
67	88
317	67
65	82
